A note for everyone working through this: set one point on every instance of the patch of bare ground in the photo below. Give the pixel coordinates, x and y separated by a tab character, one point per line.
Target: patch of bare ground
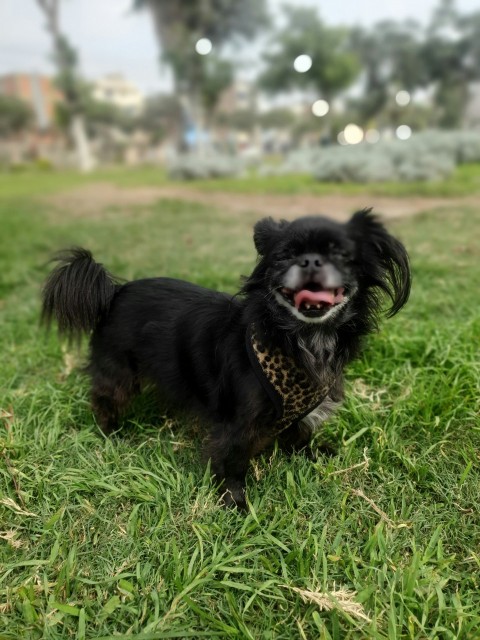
95	199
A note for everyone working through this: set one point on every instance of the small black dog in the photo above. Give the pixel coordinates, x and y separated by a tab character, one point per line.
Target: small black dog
265	364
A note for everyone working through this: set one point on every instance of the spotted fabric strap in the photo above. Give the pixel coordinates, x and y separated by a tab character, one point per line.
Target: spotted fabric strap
291	390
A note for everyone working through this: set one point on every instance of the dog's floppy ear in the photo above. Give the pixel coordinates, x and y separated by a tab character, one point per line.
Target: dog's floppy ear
266	234
382	257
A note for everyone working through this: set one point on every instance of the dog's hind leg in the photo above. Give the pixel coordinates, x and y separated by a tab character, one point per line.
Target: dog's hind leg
110	397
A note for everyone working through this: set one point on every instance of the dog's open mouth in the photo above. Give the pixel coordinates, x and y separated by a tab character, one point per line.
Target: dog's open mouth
312	299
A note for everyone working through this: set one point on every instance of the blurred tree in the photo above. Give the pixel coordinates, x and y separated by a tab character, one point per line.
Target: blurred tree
390	55
278	118
240	120
334	68
308	128
402	47
452	57
179	24
15	115
161	117
369	46
94	112
217	76
470	26
416	116
68	82
98	112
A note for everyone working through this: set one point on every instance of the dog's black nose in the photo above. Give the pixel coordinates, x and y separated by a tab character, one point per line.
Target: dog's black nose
312	261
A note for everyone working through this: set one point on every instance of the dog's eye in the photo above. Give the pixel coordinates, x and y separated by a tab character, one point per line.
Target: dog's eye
285	255
336	251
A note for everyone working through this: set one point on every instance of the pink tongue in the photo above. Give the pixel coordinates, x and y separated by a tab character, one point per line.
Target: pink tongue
314	297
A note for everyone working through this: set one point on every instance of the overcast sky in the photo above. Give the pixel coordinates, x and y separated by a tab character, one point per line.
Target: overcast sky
110	38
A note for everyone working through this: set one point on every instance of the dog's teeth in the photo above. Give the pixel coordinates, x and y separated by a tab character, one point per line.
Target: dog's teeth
308	306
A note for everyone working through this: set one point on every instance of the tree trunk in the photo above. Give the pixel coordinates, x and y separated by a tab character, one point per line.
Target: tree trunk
166	20
86	161
198	116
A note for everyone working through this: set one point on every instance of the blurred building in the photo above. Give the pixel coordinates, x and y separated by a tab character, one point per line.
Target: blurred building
116	90
37	91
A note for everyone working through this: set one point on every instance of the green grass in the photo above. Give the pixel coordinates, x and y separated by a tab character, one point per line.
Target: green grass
123	537
465	181
20	184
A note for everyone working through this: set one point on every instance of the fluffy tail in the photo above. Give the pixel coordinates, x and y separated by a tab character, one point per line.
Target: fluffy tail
77	293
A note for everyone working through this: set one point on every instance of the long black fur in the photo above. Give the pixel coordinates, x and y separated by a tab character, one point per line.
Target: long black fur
191	341
77	293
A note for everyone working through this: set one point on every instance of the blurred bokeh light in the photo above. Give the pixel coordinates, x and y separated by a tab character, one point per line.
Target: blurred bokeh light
302	63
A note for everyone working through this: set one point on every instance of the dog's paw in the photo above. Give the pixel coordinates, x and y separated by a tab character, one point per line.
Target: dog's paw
321	449
326	448
309	453
234	497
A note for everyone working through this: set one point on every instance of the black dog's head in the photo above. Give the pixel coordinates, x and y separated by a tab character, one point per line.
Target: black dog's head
317	272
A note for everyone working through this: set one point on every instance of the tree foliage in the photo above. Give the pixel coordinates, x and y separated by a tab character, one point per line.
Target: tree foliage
67	80
217	76
161	115
390	55
15	115
451	53
386	58
334	67
219	20
401	55
179	24
239	120
277	118
200	80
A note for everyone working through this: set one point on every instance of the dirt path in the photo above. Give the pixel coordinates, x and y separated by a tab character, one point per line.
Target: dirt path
92	200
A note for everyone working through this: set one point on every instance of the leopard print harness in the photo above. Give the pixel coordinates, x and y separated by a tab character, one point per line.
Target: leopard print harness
291	390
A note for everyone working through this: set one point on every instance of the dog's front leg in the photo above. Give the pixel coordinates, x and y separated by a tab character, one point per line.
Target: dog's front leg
296	438
229	451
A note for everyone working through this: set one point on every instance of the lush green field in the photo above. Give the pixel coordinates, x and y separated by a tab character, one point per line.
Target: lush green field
464	181
123	537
